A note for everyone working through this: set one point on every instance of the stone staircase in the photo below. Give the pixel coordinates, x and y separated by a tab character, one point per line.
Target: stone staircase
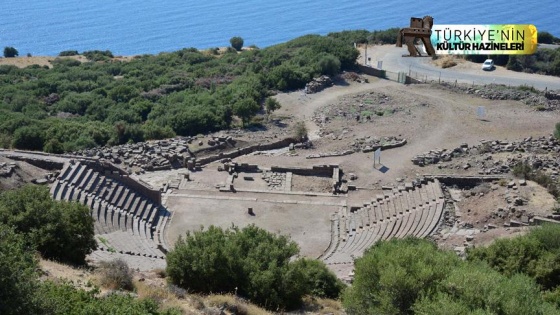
404	211
126	221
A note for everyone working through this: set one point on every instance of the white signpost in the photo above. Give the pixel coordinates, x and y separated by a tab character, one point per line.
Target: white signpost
377	157
481	112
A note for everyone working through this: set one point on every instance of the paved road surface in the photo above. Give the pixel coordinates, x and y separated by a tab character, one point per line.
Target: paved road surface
422	67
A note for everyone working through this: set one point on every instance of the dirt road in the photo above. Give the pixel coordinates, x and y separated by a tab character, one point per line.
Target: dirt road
421	68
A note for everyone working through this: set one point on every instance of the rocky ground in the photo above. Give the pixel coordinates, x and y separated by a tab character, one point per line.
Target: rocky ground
540	100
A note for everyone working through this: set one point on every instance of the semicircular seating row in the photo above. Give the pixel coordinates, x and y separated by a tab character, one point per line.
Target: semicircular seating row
401	212
126	222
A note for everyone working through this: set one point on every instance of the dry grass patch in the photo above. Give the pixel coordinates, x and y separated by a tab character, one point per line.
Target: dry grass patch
115	275
446	62
170	297
322	306
235	305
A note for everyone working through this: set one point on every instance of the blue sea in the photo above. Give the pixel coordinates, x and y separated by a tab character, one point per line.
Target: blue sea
127	27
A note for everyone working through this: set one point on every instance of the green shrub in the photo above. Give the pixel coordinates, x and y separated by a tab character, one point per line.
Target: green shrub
393	275
236	43
321	282
412	276
546	38
67	53
329	65
57	229
185	92
477	289
28	138
18	273
536	255
115	275
250	261
522	170
10	52
63	298
300	132
98	55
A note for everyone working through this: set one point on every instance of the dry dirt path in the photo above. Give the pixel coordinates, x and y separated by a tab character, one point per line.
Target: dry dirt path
448	120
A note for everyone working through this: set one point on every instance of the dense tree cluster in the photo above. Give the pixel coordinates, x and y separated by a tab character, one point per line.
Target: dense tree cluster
31	222
544	61
536	255
251	262
106	101
413	276
547	38
58	230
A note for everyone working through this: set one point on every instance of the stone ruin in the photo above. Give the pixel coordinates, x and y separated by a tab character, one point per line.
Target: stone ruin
277	177
142	156
318	84
274	180
547	100
155	155
370	144
544	155
6	169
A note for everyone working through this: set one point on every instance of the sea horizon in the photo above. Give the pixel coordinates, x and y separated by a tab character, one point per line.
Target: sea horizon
127	27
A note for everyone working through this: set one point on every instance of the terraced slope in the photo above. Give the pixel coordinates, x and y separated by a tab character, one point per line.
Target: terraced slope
127	223
404	211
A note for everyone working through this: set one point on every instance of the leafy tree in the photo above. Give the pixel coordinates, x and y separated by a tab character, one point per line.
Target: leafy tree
393	274
321	282
477	289
329	65
18	273
545	38
271	105
58	230
245	109
28	138
412	276
236	42
53	146
10	52
536	255
514	64
251	261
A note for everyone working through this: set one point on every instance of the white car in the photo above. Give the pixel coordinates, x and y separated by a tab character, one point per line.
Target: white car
488	65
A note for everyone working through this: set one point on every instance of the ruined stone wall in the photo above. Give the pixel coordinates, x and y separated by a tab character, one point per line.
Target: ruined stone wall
45	163
242	151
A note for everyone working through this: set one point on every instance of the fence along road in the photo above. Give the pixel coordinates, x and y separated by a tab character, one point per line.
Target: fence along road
421	68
